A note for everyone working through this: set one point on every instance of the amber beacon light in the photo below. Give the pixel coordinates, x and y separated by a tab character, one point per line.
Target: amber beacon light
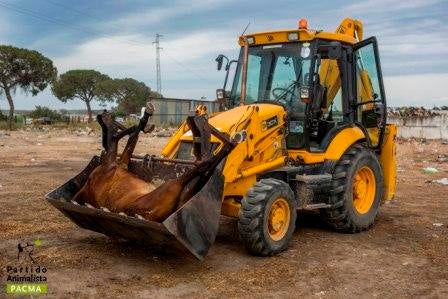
303	24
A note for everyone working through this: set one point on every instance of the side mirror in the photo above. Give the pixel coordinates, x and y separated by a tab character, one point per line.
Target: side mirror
219	60
334	51
379	109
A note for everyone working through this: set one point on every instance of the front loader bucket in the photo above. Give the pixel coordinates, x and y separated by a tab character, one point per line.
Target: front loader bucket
194	226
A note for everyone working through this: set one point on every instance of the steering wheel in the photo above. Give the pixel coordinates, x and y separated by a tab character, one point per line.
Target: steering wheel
280	91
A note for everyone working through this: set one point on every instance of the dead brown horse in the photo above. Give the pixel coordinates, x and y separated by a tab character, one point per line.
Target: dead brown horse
171	195
110	185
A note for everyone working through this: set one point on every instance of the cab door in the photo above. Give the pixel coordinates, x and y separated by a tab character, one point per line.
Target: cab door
370	99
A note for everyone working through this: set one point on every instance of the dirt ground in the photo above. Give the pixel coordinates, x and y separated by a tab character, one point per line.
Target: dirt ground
404	255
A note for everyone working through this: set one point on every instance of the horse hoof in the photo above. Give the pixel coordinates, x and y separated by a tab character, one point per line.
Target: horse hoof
149	108
74	202
122	214
89	205
105	209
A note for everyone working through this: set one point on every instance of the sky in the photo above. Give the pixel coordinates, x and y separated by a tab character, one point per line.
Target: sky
116	37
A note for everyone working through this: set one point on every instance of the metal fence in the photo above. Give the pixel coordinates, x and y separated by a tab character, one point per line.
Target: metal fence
172	112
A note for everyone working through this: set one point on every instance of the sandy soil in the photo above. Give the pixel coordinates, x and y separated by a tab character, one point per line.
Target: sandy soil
404	255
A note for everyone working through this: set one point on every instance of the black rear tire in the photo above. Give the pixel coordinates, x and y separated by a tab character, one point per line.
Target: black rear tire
254	225
343	215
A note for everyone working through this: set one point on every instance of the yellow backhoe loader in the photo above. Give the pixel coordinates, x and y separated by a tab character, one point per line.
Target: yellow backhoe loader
303	128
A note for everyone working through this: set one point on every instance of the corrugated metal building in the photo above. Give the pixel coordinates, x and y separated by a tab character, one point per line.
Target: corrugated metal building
172	112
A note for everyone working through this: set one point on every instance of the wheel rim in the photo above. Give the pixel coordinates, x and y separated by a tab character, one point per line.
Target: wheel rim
278	221
364	188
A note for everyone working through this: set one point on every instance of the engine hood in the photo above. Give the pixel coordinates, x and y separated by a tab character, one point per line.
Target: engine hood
268	115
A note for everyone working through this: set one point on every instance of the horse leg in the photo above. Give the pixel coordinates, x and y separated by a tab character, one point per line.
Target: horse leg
134	134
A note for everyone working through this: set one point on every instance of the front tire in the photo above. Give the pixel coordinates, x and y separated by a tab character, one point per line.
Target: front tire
356	191
267	217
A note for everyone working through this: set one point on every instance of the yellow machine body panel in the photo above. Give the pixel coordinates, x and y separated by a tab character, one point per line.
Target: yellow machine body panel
349	31
340	143
388	160
281	36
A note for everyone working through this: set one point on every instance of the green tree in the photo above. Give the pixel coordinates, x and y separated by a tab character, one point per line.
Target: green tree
25	69
128	93
42	111
79	84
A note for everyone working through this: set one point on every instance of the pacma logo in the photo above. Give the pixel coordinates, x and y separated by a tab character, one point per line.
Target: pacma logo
24	278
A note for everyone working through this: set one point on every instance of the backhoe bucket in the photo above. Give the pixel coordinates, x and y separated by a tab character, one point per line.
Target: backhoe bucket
193	227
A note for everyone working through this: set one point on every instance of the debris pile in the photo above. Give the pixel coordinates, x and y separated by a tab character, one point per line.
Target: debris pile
442	158
443	181
85	132
161	132
430	170
4	135
407	112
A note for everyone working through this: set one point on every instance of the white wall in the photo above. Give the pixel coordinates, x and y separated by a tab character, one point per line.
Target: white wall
430	127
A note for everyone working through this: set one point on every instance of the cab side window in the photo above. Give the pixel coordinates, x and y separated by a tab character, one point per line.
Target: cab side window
253	78
330	80
334	112
368	88
367	81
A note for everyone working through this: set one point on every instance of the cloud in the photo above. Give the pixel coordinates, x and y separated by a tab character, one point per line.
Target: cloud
417	90
387	6
167	12
188	66
107	51
412	35
5	27
111	53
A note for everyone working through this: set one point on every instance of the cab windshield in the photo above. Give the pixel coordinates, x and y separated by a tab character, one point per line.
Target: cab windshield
274	73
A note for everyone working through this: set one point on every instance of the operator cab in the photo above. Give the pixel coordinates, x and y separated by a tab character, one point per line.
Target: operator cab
305	78
277	74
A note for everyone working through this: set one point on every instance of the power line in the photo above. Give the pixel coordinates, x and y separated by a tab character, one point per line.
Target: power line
186	67
42	17
77	11
81	13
